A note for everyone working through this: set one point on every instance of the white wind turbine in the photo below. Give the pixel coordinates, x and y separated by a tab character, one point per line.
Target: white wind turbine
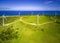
55	16
32	13
37	19
19	14
3	20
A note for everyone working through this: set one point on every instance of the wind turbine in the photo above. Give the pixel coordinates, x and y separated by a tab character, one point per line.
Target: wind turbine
3	20
32	13
19	14
37	19
55	16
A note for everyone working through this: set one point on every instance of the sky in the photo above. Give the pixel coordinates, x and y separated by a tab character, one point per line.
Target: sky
31	5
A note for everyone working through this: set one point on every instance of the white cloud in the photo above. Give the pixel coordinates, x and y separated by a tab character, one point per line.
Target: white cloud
48	2
30	8
26	8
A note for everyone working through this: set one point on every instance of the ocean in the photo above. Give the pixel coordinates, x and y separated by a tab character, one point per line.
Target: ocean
21	13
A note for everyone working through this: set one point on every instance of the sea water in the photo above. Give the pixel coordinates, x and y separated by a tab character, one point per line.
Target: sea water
20	13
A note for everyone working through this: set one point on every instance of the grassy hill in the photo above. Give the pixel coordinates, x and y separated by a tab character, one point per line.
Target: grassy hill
30	29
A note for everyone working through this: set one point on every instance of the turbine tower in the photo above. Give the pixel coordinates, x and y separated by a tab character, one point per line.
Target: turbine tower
37	19
55	16
3	19
19	14
32	13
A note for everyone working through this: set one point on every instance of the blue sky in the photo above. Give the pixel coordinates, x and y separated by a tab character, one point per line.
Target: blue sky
30	5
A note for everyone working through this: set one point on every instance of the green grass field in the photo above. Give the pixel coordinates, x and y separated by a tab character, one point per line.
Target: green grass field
30	29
